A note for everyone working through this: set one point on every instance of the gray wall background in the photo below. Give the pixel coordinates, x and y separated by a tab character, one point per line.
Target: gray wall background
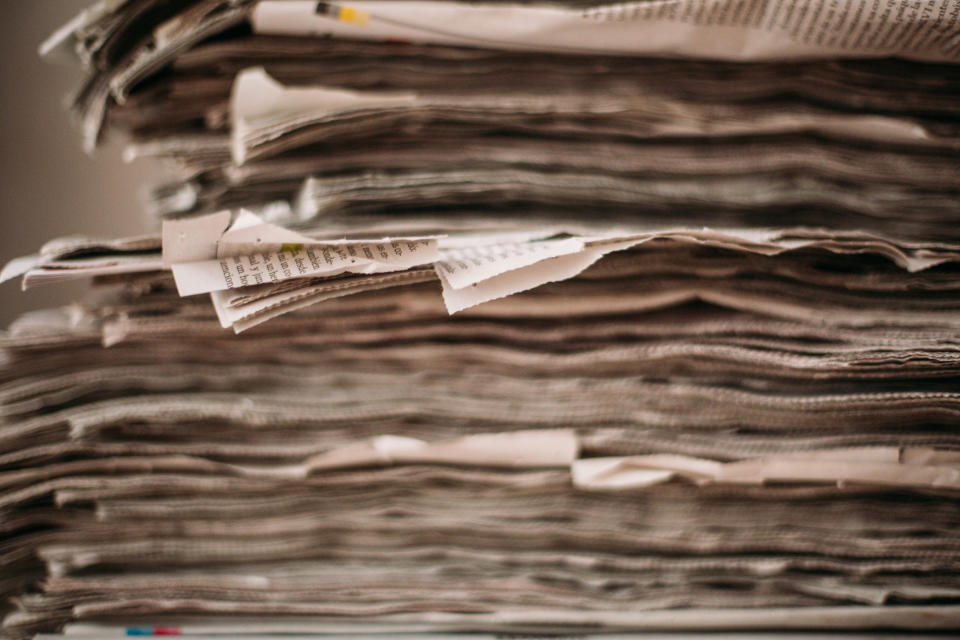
48	186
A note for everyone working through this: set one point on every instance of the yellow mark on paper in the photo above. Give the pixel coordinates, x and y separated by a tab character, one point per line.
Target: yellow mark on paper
353	16
291	247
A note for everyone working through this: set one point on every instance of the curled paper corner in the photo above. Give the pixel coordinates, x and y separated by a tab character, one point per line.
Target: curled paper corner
19	266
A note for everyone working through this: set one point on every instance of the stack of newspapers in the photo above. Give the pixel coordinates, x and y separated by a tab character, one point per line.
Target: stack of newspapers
559	318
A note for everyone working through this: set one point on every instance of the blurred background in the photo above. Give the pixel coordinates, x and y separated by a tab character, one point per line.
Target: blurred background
50	187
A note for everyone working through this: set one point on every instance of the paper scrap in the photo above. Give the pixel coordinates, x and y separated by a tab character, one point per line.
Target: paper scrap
301	261
513	449
463	266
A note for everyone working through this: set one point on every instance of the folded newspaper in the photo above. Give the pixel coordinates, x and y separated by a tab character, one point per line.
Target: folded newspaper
547	318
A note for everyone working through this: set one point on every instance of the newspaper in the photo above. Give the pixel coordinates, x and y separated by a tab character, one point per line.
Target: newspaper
264	111
250	252
299	261
257	270
726	29
442	448
609	319
69	257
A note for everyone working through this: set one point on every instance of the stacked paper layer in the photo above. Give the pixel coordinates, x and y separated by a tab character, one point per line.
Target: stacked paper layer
530	464
562	318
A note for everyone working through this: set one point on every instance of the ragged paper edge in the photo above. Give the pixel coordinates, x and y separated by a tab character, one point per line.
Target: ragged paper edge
552	269
248	316
61	247
264	110
525	449
537	448
60	271
298	262
204	236
259	103
916	468
468	265
513	280
249	233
